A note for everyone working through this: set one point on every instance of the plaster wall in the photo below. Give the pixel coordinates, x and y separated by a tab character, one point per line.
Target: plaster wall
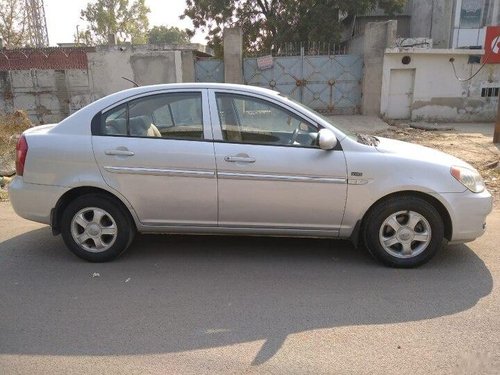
46	95
50	95
432	19
146	67
437	94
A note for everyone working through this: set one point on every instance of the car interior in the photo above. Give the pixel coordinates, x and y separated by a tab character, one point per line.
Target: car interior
167	116
246	120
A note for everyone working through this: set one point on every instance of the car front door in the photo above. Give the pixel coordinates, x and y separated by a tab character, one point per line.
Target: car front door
157	151
271	173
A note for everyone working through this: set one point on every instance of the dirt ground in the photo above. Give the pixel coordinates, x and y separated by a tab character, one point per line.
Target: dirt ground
475	148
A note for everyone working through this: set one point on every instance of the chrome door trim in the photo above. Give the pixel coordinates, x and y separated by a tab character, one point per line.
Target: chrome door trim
205	106
271	177
161	172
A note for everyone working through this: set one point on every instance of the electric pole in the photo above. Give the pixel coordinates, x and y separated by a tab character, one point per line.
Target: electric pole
496	134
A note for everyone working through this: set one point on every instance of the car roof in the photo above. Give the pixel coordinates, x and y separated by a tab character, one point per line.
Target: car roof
193	85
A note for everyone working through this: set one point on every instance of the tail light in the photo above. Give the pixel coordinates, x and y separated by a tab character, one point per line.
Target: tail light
21	152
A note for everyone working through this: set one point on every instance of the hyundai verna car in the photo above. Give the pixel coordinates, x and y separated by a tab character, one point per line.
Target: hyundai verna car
232	159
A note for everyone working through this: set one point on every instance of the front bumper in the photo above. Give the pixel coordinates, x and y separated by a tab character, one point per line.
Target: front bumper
468	213
34	202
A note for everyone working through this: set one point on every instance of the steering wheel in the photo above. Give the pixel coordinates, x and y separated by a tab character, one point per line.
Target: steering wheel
295	134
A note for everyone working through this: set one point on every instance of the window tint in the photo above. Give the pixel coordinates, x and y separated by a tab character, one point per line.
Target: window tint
176	116
250	120
114	122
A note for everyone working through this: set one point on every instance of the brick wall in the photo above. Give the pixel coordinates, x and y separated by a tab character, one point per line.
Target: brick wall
44	58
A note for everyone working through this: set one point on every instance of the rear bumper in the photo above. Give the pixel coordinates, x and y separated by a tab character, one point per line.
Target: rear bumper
468	213
34	202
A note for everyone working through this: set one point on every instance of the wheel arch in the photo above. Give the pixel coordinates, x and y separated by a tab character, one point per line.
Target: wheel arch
70	195
442	210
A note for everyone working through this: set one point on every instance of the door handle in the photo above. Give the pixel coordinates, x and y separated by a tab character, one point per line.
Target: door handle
119	153
239	159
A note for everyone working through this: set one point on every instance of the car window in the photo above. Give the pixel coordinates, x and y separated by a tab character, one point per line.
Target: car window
250	120
176	116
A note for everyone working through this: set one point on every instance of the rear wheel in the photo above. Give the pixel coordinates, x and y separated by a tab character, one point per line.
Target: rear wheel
96	228
403	231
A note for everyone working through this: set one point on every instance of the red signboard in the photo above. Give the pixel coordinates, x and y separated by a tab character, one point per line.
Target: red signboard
492	45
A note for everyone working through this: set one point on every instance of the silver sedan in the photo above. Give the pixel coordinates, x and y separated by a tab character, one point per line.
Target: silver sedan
231	159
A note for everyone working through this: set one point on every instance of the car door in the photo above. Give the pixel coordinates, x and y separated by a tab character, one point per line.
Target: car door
271	173
157	151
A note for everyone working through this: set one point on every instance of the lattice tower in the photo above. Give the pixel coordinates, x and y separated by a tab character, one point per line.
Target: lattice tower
37	24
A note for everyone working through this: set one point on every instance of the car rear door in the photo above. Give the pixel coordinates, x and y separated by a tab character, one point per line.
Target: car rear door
157	151
271	174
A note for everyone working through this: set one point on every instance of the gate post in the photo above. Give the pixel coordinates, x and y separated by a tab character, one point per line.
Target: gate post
233	55
378	36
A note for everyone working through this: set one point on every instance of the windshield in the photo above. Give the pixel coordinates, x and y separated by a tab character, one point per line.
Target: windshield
345	130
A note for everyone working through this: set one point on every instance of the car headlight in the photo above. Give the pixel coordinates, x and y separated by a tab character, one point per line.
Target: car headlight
470	178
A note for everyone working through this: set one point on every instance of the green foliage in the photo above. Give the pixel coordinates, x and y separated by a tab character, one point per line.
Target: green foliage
129	22
168	35
268	22
13	25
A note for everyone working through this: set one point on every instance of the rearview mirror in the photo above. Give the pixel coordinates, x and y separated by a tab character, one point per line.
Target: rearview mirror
327	139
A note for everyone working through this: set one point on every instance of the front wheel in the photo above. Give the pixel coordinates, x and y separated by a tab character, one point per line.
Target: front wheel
403	231
96	228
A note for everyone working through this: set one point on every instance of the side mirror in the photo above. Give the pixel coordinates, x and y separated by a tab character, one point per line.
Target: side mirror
326	139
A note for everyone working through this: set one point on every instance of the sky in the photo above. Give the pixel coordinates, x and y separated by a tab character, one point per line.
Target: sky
64	15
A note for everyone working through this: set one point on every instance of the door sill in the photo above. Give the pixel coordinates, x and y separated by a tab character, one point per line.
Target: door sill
233	230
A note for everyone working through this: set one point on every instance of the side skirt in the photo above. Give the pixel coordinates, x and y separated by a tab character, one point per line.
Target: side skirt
254	231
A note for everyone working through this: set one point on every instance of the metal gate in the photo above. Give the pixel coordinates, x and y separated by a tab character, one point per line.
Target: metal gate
210	70
329	84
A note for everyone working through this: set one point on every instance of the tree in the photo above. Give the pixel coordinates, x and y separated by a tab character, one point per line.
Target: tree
127	22
13	23
268	22
168	35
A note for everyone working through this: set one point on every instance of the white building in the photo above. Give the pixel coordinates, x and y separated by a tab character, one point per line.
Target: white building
449	23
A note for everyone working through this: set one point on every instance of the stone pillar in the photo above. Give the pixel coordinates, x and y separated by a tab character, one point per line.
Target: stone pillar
188	66
378	36
233	55
178	66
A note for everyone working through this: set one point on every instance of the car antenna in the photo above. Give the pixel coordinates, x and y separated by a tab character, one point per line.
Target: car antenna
127	79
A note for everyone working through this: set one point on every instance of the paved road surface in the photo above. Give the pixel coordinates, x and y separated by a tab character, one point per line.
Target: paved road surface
206	305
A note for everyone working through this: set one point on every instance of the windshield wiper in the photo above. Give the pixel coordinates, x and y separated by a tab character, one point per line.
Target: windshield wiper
369	140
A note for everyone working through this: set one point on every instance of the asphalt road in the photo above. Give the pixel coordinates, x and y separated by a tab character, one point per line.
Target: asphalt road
206	305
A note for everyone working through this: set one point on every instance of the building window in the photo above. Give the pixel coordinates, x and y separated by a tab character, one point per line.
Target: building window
471	14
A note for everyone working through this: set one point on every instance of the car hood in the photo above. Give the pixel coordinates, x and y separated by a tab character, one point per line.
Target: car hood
417	152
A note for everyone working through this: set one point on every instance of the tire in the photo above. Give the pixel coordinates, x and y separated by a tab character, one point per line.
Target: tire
403	231
96	228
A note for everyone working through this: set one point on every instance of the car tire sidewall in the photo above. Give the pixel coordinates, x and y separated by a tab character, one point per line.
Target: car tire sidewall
383	210
125	229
